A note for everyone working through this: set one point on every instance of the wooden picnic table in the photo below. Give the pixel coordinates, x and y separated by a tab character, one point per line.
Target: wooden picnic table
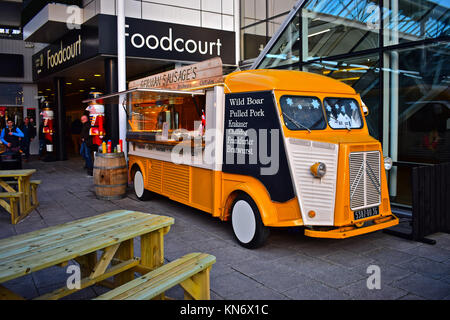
112	233
27	199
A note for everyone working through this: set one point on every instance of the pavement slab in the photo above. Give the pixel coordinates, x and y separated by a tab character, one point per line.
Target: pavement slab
289	266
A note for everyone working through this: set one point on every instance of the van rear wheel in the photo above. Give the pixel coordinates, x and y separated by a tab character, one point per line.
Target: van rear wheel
248	227
138	185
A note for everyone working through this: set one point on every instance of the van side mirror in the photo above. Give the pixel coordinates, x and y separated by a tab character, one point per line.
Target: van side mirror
365	110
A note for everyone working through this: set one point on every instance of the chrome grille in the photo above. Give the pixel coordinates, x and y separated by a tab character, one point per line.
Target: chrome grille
365	182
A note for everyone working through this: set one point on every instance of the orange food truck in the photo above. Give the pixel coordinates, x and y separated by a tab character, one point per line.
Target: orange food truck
259	148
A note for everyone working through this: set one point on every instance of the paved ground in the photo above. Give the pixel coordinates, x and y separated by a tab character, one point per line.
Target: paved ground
290	266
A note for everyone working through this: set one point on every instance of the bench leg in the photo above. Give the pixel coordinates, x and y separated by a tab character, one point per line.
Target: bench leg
6	294
34	201
87	264
124	253
15	215
152	249
198	286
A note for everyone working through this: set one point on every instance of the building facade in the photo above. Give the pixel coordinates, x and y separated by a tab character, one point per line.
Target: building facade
80	52
394	53
18	92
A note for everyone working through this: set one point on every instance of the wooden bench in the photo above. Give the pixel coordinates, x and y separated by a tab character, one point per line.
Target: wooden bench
112	234
19	181
34	184
11	204
190	271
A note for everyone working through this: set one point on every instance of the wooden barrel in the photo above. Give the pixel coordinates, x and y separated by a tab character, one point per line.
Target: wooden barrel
110	176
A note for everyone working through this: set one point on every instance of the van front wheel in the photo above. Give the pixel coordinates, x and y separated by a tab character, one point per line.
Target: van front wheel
138	184
248	227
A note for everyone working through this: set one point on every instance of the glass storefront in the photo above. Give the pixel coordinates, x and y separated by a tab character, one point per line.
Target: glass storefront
395	54
11	103
338	27
285	53
260	19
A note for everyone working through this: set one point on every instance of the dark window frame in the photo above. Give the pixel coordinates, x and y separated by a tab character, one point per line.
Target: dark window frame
324	116
359	111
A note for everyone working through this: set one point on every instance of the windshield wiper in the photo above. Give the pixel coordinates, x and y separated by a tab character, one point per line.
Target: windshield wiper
349	128
298	125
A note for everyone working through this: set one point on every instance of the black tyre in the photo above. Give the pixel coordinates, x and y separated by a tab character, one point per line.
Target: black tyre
248	227
138	185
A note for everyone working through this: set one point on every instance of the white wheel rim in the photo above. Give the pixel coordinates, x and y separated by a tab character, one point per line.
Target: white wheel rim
243	219
139	184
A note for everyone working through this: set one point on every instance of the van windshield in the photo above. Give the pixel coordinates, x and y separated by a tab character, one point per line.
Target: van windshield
343	113
302	113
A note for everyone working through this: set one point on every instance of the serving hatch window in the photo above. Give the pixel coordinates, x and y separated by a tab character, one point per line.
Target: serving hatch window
302	113
343	113
149	115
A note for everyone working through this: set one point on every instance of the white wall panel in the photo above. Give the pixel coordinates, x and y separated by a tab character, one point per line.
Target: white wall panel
133	8
212	5
190	4
228	23
89	11
107	6
228	7
163	13
211	20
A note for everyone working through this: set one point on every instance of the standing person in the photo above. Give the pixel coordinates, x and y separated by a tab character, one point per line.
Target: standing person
86	144
27	130
32	130
11	136
75	131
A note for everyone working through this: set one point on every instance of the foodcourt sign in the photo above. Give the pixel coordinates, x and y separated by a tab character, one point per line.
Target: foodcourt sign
145	39
176	42
75	47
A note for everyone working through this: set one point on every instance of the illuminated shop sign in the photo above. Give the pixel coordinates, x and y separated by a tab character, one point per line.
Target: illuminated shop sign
177	42
64	54
144	39
75	47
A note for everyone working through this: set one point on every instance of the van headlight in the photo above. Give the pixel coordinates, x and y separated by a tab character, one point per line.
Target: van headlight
388	163
318	169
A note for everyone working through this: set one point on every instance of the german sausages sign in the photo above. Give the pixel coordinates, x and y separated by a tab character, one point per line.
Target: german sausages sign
195	75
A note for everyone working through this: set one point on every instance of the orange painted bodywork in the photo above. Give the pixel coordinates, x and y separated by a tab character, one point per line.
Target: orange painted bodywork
214	191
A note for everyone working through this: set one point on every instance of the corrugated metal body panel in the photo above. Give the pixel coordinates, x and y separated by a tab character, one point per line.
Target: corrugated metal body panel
176	181
154	176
